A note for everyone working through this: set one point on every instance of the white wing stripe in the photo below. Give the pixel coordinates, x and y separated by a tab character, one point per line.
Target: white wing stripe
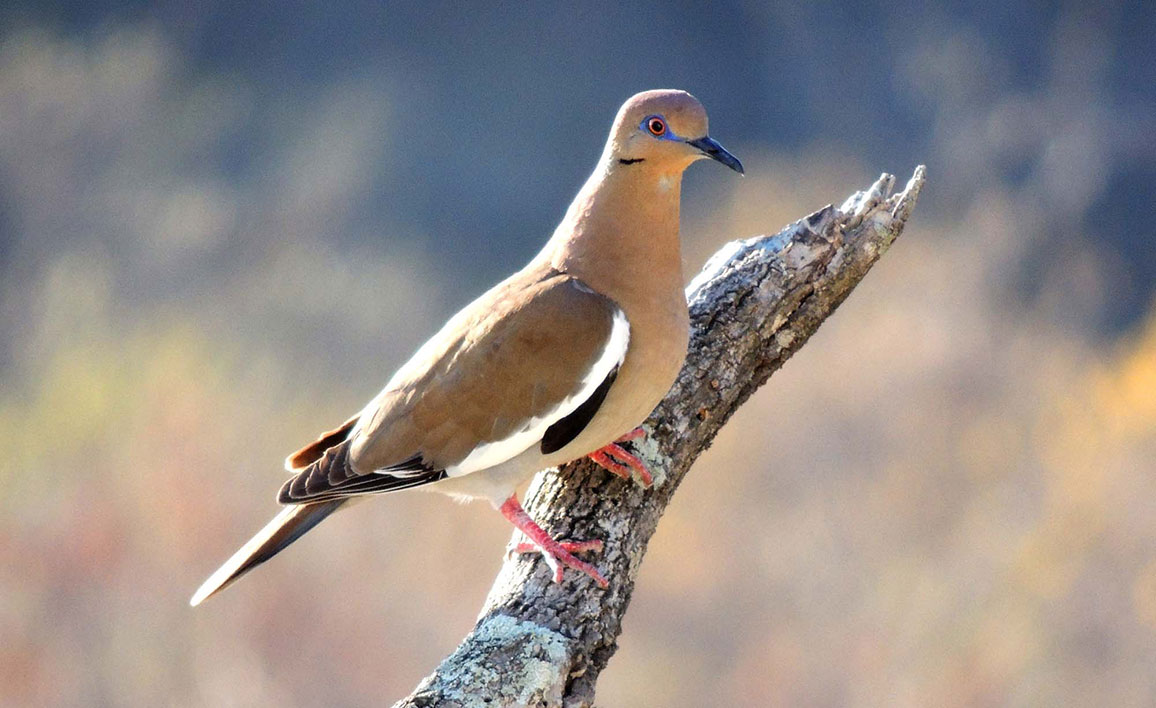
494	453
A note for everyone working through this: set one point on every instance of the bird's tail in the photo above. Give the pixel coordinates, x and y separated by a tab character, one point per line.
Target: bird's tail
285	528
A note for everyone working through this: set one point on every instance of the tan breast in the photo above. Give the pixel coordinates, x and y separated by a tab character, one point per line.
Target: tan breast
623	241
657	350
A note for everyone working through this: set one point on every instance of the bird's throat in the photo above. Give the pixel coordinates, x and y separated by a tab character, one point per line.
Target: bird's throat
624	224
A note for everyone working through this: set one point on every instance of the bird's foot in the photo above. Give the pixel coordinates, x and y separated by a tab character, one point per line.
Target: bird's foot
619	461
557	554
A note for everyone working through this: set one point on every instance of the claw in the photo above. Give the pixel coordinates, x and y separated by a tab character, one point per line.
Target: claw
556	554
632	462
603	459
619	461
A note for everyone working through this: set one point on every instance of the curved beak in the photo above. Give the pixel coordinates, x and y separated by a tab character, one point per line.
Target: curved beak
711	148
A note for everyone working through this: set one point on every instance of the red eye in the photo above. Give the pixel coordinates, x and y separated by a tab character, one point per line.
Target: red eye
656	126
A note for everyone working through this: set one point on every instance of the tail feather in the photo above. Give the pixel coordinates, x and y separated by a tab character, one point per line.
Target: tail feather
314	450
284	529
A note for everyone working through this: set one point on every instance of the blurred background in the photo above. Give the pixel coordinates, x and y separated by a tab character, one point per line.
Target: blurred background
223	225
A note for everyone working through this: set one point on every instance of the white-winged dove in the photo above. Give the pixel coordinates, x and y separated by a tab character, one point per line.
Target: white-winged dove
558	361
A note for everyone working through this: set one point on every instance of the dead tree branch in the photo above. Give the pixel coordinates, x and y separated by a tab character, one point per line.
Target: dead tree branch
754	304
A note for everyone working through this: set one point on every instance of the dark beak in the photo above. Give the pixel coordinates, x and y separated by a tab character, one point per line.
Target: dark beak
714	151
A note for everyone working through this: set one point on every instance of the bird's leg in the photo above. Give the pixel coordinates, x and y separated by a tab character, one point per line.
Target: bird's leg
555	553
617	460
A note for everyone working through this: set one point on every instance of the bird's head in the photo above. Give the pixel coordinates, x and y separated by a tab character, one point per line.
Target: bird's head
664	129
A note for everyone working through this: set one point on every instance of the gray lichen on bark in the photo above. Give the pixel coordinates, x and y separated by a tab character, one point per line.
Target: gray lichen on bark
755	303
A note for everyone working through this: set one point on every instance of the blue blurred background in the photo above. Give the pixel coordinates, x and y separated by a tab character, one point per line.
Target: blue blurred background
223	225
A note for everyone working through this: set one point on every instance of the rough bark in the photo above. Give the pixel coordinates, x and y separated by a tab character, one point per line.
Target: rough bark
755	303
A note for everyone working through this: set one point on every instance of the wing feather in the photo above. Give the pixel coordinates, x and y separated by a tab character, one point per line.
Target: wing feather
526	364
333	476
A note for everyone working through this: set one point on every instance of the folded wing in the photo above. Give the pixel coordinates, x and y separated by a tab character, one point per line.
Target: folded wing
527	364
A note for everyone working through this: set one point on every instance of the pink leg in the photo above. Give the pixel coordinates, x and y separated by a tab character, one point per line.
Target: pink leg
554	553
617	460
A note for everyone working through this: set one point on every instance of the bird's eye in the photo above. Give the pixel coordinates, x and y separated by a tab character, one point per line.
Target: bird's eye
656	126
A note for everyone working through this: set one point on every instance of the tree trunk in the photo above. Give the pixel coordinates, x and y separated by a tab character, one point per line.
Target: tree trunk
753	305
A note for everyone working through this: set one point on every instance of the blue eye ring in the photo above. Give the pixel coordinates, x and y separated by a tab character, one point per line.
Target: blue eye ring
655	125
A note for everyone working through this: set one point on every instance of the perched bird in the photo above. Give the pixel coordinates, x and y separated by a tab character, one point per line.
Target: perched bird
558	361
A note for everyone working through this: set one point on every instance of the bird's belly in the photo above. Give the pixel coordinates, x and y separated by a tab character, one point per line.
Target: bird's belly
496	483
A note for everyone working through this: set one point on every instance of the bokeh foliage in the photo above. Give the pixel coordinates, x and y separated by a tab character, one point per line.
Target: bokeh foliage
222	228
